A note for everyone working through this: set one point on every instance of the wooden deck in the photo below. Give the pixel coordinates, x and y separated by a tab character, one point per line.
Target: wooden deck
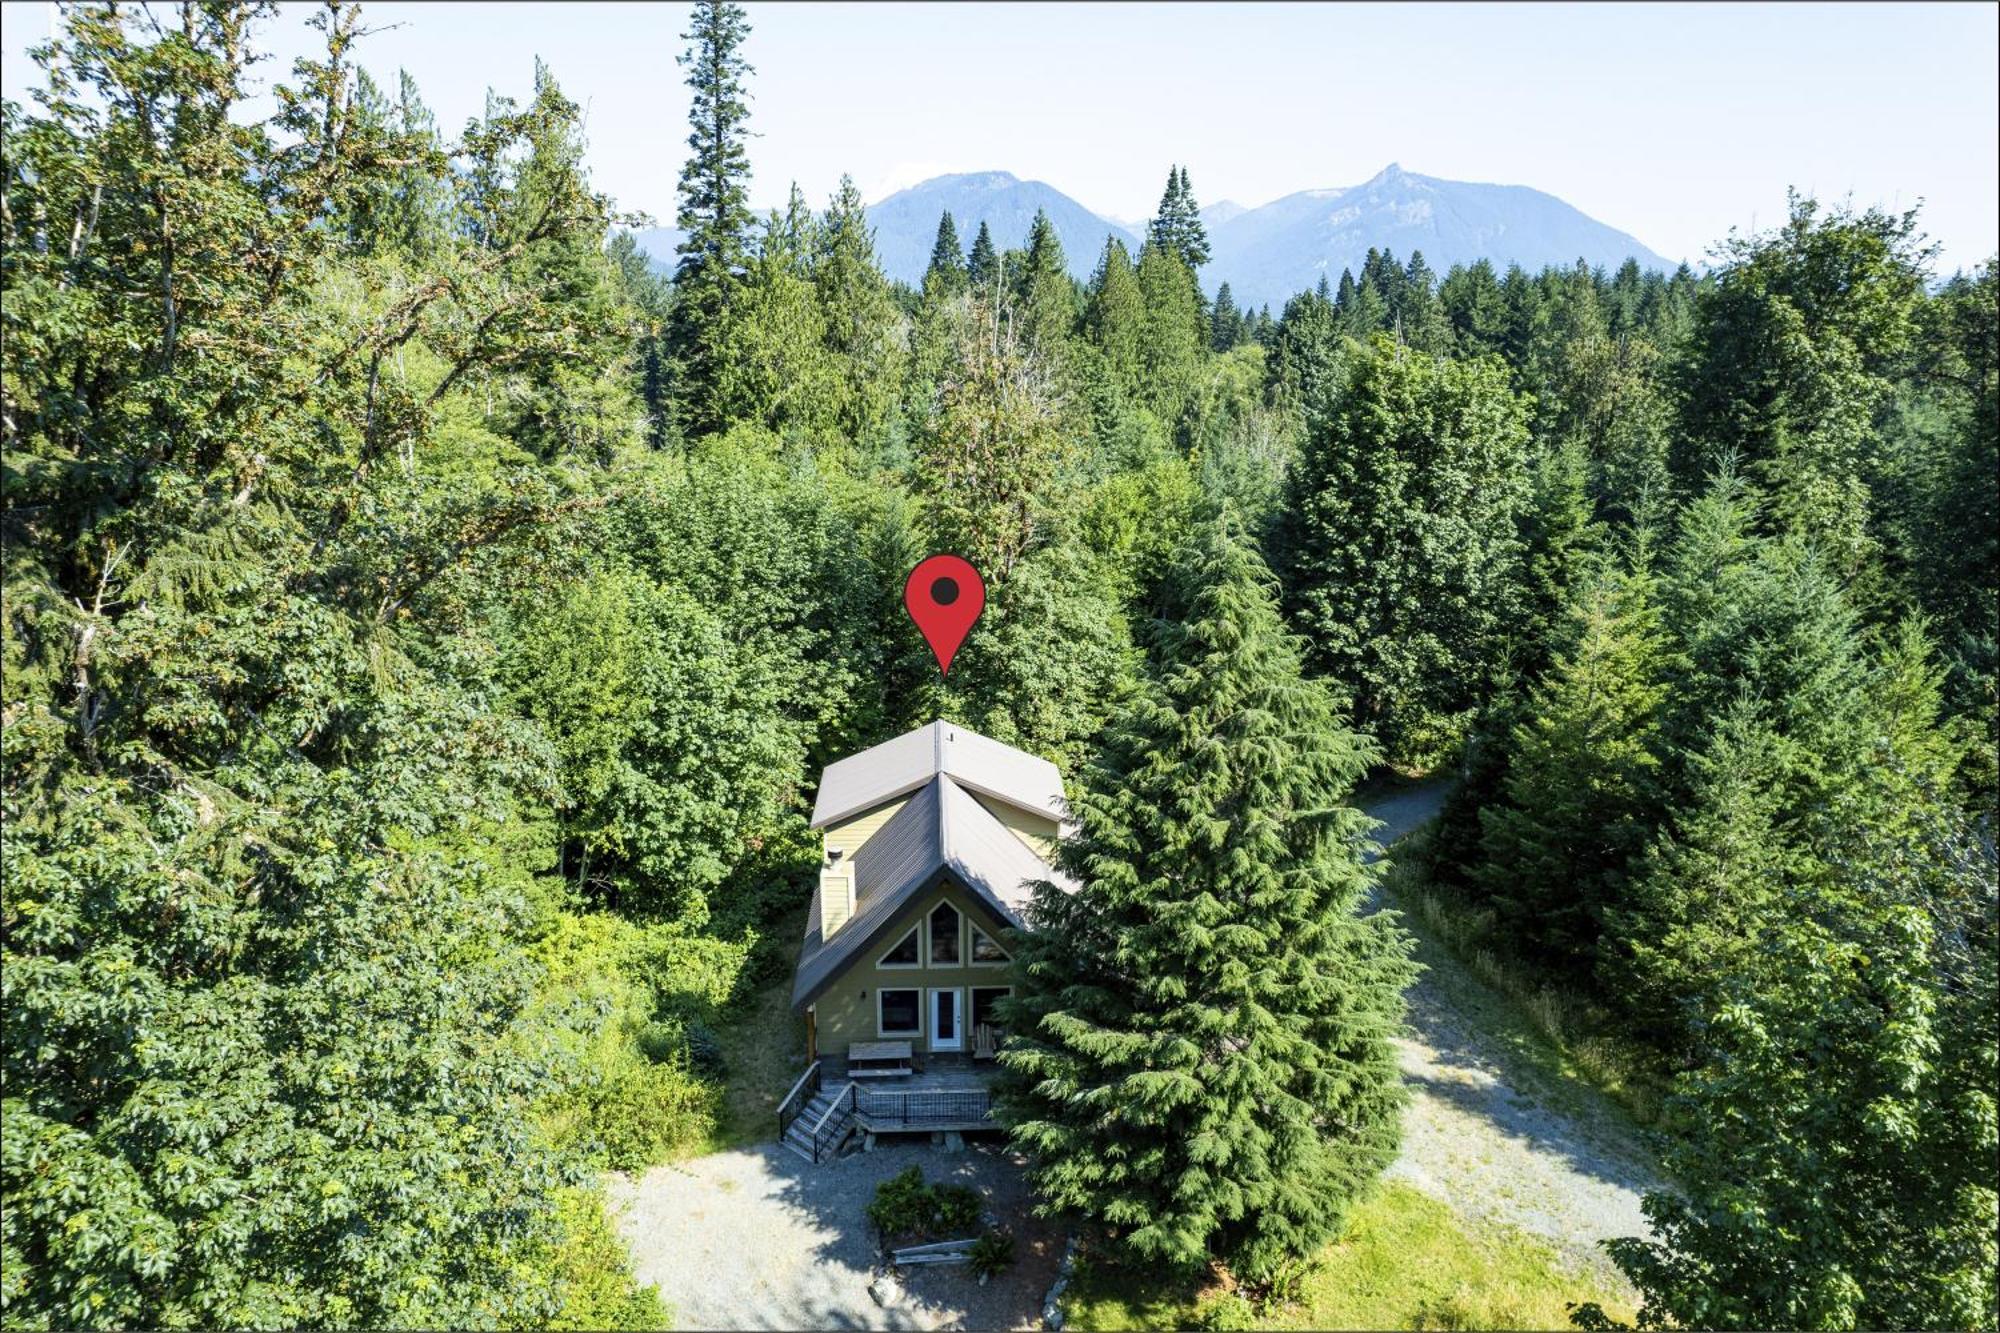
947	1095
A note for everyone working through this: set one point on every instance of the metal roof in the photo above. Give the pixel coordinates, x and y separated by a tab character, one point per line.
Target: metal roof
896	767
942	832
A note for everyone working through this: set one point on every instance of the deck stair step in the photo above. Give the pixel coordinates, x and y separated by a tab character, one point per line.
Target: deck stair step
799	1134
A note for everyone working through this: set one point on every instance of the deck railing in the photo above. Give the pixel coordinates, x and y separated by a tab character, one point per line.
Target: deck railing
918	1107
832	1124
795	1100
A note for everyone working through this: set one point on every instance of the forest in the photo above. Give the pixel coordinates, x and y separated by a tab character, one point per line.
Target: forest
425	621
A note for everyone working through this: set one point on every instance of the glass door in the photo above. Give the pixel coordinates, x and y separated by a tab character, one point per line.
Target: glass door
946	1031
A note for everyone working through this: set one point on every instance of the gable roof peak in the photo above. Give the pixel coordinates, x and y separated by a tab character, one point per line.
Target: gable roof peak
939	749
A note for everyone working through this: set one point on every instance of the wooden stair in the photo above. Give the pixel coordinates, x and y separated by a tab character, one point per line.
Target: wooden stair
799	1134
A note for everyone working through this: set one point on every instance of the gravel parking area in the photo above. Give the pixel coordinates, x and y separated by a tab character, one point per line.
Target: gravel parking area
762	1239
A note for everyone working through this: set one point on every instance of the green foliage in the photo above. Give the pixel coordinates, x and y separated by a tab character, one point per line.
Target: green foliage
1402	543
906	1208
1577	795
1207	1002
714	216
594	1273
992	1254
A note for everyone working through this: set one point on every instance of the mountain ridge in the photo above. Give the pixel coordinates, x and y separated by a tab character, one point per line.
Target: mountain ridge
1268	253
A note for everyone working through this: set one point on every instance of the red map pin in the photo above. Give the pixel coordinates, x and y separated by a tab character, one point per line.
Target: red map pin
944	595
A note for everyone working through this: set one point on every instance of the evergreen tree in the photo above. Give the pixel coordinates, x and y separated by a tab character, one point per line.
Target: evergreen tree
714	215
1178	226
946	274
1225	321
1578	793
1170	348
1114	316
1200	1044
1047	296
1422	316
982	267
1473	302
1402	544
1835	1170
863	326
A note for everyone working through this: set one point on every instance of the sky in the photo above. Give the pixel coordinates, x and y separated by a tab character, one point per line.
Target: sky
1675	123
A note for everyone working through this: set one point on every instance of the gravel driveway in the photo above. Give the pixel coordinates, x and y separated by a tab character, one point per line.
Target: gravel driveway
1490	1133
760	1238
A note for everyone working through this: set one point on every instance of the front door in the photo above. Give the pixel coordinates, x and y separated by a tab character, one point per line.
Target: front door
947	1032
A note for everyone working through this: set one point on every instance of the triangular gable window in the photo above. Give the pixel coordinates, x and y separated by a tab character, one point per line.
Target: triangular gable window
907	953
985	949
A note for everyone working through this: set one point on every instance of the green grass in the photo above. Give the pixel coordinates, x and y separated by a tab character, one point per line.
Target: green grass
762	1042
1407	1261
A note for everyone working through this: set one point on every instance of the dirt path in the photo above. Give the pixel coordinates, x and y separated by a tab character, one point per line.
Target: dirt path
1491	1130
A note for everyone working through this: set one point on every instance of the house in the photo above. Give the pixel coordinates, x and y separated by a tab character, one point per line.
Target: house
932	845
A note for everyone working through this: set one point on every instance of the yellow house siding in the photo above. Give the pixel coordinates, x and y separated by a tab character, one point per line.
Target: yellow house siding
847	836
845	1011
1038	831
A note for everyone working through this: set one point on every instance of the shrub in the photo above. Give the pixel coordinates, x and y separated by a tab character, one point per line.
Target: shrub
992	1253
902	1204
1227	1313
633	1116
954	1208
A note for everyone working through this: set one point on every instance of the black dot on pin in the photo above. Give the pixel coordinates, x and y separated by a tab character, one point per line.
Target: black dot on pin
944	591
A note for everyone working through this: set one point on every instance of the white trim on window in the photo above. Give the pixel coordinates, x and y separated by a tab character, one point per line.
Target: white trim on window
918	1029
972	952
887	966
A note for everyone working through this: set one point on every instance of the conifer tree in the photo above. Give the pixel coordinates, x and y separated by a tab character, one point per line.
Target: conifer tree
863	326
1402	541
1836	1165
1178	225
1579	798
714	215
946	274
1170	348
982	266
1047	296
1225	321
1114	315
1200	1047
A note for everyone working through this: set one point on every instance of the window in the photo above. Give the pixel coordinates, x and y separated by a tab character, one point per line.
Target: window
944	936
985	949
984	1001
898	1013
905	954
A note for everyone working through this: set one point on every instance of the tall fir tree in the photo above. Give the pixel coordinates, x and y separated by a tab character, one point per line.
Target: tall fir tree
1579	798
1225	321
1114	316
1200	1048
1046	295
1402	541
946	273
982	265
863	325
1178	225
714	216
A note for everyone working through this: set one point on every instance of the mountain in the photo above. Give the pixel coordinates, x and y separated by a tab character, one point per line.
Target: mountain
1268	254
906	222
1221	211
1265	254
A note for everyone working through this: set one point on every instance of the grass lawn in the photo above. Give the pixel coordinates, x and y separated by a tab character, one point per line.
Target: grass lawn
763	1048
1407	1261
